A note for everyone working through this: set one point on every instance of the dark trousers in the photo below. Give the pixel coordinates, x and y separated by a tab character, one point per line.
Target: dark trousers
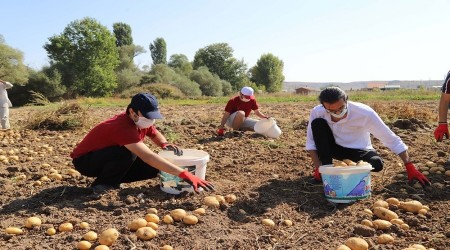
327	148
114	165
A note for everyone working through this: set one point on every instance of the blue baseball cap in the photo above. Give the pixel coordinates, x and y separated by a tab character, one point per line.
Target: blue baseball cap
147	104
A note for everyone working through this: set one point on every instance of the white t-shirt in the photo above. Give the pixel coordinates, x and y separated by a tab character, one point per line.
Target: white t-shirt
354	130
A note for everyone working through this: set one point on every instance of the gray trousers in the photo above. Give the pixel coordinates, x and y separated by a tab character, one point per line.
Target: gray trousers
4	118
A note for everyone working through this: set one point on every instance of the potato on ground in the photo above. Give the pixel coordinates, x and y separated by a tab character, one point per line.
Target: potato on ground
13	230
200	211
211	201
411	206
381	224
84	245
385	239
108	237
145	233
384	213
268	222
355	243
90	236
32	222
101	247
65	227
178	214
51	231
152	218
136	224
168	219
190	219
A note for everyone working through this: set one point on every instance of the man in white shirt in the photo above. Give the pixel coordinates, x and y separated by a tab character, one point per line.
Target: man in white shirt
341	129
5	104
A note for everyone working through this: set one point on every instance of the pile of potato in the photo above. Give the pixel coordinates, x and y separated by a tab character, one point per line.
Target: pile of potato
385	218
350	163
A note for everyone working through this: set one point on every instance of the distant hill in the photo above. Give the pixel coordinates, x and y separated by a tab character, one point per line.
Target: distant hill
291	86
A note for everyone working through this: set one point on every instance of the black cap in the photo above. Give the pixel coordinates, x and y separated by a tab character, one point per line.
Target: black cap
147	104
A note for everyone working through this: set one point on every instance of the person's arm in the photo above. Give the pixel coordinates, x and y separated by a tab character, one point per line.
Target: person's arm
260	114
411	170
405	157
316	163
443	107
7	85
159	139
224	119
442	127
315	158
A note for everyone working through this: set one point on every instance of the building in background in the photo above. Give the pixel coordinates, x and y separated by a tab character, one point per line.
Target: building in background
307	91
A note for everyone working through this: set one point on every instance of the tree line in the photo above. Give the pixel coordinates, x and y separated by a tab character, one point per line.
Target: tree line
89	60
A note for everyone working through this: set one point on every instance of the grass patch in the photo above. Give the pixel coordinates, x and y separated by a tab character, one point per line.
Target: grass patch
64	116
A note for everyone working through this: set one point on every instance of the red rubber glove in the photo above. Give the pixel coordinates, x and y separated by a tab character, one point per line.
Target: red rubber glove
440	131
172	147
414	174
220	131
195	181
317	175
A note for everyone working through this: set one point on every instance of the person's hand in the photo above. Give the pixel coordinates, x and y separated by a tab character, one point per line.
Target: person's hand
195	181
317	175
414	174
172	147
220	131
440	131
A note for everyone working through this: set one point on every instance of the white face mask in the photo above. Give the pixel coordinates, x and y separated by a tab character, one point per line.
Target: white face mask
144	122
342	114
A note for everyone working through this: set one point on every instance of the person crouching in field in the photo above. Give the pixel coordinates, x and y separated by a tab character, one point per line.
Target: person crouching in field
114	151
341	129
237	111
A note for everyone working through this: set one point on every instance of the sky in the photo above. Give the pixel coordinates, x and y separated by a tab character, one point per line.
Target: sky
317	40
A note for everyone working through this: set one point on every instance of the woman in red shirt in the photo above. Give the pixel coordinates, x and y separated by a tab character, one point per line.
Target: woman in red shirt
237	111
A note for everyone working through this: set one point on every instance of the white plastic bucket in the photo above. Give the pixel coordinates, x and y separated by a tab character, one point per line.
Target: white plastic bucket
193	160
268	127
346	184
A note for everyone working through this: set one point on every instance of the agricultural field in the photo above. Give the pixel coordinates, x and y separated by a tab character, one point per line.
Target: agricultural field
271	179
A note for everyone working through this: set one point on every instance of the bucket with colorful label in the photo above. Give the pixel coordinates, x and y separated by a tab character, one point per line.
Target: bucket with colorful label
346	184
193	160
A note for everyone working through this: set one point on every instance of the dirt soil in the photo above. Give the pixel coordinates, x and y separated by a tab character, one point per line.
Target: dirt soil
271	179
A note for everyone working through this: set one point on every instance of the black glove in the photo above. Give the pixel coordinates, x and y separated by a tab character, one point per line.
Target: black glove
172	147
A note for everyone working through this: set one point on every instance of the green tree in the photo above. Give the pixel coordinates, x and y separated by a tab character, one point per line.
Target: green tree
127	53
47	82
218	58
180	63
12	68
158	49
86	56
268	72
227	89
210	84
122	31
164	74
